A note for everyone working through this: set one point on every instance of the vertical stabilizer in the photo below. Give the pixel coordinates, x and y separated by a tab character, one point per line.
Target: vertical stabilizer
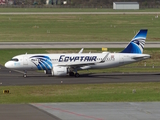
137	43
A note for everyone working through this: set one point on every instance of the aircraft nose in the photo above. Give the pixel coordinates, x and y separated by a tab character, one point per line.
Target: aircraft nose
8	65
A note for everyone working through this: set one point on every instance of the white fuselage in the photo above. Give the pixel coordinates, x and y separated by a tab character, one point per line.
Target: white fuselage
80	61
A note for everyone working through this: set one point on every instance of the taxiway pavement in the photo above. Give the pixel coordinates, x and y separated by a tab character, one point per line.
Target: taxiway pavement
103	110
6	45
82	111
24	112
13	78
79	13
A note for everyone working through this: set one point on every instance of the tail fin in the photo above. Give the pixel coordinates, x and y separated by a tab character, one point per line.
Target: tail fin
137	43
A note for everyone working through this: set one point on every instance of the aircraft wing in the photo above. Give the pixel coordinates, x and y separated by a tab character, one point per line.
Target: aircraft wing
77	65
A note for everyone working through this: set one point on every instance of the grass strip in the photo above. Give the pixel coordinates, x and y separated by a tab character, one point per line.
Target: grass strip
111	92
76	28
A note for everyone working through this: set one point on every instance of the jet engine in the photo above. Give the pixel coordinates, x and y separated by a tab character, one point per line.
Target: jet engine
59	71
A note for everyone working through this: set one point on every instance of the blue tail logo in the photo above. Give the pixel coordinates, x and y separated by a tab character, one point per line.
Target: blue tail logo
137	43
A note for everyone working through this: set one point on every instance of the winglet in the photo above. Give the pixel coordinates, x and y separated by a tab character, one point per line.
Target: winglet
80	51
137	43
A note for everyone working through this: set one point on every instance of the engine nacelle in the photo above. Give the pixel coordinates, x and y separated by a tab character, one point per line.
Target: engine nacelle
59	71
48	71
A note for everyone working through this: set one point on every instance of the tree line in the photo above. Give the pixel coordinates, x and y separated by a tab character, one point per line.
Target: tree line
110	2
93	3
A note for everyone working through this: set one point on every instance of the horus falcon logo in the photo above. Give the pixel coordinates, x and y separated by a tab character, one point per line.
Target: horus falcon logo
140	42
42	62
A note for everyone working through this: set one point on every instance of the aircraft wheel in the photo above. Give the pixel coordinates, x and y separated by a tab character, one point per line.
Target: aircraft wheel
77	75
24	75
71	74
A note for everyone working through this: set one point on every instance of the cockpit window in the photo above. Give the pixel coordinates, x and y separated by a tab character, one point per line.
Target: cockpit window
14	59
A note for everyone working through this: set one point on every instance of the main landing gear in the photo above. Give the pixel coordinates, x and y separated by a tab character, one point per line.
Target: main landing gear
74	74
71	73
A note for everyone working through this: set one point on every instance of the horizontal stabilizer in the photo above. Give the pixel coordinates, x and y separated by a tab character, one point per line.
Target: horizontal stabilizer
143	56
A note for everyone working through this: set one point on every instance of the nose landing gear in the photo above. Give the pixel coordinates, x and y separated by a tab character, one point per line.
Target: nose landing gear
25	74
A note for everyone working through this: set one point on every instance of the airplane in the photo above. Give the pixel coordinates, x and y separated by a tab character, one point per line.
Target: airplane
68	64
